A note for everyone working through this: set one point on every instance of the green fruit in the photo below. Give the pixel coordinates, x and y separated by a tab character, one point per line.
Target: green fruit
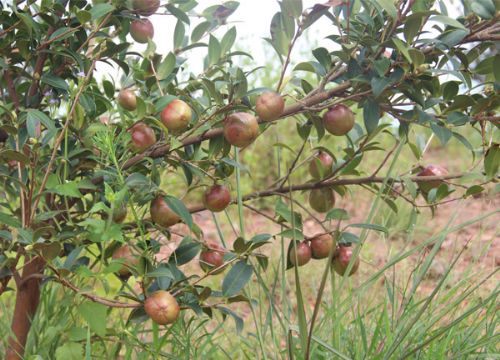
146	7
127	99
322	200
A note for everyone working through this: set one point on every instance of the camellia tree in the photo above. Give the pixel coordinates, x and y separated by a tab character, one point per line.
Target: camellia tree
85	159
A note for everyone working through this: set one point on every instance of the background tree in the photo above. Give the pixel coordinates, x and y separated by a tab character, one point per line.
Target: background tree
85	162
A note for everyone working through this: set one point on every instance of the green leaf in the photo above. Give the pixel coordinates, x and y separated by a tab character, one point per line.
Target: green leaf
228	40
496	67
180	209
371	115
292	234
69	188
83	16
492	161
54	81
179	14
214	50
179	33
100	10
200	30
70	351
186	252
292	8
337	214
402	48
95	315
370	227
448	21
166	67
473	190
236	278
388	6
9	220
62	33
160	272
348	238
412	26
443	134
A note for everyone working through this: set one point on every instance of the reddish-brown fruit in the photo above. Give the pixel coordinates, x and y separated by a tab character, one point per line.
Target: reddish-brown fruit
341	260
322	200
338	120
3	136
127	99
217	198
269	106
300	255
176	115
127	258
241	129
212	258
141	30
321	165
145	7
162	214
321	246
120	213
142	137
162	307
431	170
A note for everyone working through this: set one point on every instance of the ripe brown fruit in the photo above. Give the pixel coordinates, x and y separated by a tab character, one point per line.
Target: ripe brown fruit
142	137
120	213
431	170
217	198
212	258
300	254
141	30
341	260
162	214
129	260
338	120
241	129
321	246
321	165
3	136
176	115
269	106
162	307
322	200
145	7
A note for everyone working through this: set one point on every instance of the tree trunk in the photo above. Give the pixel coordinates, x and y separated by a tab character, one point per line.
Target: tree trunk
27	299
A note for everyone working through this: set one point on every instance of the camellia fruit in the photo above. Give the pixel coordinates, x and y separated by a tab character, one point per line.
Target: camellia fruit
146	7
338	120
3	136
162	307
142	137
127	99
241	129
217	198
341	260
161	213
431	170
120	213
176	115
321	246
321	165
128	259
212	258
269	106
300	254
322	200
141	30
